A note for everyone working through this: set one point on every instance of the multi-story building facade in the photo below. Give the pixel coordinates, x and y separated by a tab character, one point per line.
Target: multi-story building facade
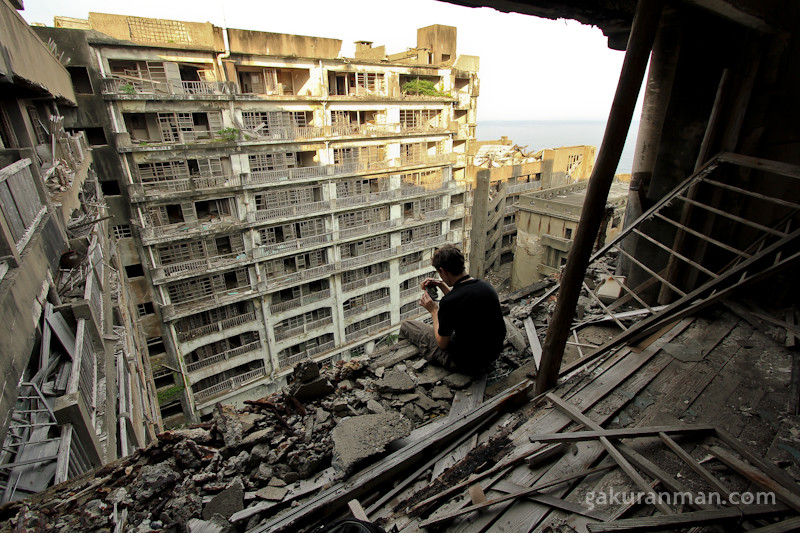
76	391
497	174
276	202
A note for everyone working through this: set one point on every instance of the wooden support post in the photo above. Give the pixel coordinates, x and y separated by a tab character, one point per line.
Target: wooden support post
640	42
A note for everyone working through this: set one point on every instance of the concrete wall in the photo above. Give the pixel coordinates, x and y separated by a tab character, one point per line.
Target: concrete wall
25	56
177	34
440	41
281	44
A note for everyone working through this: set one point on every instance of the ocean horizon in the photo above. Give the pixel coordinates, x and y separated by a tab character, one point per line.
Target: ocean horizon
539	134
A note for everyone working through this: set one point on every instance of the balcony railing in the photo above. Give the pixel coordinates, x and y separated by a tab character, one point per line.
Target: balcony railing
296	277
297	244
303	328
366	259
130	86
224	356
363	199
369	228
170	311
507	228
183	229
228	385
83	377
428	159
216	327
193	183
411	267
298	302
203	264
287	361
367	331
418	244
264	215
366	281
413	313
374	304
522	187
436	213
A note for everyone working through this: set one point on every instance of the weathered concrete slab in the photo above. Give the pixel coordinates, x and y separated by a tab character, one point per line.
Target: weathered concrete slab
360	437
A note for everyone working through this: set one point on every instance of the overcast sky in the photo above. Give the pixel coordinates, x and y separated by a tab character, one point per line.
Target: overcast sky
531	68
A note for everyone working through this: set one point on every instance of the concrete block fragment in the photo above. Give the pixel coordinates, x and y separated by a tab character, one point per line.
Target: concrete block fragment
360	437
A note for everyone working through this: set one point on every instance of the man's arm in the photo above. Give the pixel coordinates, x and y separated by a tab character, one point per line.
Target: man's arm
433	308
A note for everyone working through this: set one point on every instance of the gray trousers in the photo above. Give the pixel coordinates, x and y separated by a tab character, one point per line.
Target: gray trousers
422	336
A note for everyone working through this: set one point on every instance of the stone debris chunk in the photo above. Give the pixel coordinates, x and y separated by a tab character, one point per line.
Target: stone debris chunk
360	437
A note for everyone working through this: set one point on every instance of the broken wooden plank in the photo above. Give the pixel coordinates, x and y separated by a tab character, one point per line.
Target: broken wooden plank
464	401
765	466
357	510
692	518
792	524
533	341
756	476
621	433
643	485
709	478
530	492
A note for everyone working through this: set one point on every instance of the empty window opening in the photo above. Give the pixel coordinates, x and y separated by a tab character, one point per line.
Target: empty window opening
134	271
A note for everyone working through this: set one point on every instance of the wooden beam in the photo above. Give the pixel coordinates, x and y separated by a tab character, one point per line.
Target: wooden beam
622	433
756	476
640	43
693	518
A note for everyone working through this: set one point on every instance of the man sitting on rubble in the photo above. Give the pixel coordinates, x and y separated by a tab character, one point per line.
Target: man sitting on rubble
468	329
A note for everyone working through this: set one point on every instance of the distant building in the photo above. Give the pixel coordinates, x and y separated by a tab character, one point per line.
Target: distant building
271	200
546	224
498	173
76	391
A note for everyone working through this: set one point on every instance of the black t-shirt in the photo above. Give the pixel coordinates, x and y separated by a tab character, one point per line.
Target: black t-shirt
470	315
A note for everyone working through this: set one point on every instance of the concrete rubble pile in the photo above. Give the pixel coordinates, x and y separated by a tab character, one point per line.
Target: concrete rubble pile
248	464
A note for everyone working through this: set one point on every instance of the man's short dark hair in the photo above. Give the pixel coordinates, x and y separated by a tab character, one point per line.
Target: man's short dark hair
450	258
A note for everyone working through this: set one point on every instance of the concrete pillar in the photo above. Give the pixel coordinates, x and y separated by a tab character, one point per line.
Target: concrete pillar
480	220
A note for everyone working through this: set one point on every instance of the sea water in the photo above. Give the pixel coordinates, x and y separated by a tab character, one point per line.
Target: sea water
539	134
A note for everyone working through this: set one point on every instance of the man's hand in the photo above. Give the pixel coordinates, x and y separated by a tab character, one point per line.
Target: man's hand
435	283
428	303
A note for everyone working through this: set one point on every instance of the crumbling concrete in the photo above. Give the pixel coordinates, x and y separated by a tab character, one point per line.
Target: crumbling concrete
358	438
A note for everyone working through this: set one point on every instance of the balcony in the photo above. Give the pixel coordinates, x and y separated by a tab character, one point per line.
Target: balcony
260	178
414	313
374	304
439	159
509	228
169	188
287	280
557	243
417	244
216	327
182	230
224	356
267	250
302	329
369	228
174	271
366	281
368	330
288	361
382	255
266	215
129	86
228	385
299	302
363	199
524	187
175	310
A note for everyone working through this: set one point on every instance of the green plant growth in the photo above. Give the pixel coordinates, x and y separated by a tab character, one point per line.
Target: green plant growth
128	88
421	87
228	134
167	395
